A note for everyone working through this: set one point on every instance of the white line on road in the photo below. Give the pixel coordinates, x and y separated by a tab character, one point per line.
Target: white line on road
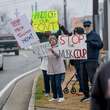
5	93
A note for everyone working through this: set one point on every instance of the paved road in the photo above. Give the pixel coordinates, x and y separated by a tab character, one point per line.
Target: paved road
20	96
17	65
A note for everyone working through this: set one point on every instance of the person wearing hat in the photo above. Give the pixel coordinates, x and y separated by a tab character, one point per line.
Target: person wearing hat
89	66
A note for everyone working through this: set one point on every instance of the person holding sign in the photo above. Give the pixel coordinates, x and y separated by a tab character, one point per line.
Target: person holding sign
56	69
78	31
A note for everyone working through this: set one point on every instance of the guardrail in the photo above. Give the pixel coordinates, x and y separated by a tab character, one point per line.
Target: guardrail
5	93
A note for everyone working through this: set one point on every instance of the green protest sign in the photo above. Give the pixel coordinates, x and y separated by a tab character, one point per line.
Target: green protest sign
44	21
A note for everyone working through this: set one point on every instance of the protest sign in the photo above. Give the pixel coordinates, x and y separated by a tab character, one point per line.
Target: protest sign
45	21
23	32
41	49
72	47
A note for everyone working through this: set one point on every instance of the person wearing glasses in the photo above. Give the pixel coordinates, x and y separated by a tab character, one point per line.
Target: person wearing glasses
56	70
89	66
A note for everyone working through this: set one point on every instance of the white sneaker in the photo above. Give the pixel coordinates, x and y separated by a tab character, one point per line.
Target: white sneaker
46	95
60	99
88	100
52	99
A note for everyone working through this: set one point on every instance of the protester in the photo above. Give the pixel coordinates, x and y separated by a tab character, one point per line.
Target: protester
62	30
101	91
78	31
89	66
43	67
55	69
44	64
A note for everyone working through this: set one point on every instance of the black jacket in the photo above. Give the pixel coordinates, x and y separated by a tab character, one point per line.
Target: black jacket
101	90
94	44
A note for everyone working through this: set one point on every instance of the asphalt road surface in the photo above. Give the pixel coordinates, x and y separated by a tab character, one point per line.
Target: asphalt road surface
17	65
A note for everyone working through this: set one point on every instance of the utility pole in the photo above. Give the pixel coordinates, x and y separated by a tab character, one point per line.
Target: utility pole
32	8
105	27
17	13
108	13
35	6
65	13
95	14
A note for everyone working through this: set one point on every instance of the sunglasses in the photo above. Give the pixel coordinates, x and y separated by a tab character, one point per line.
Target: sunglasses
86	25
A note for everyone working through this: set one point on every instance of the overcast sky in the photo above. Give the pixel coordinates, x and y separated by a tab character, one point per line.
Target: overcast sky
74	7
78	7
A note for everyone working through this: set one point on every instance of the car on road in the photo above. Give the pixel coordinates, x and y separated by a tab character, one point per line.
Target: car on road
1	62
8	44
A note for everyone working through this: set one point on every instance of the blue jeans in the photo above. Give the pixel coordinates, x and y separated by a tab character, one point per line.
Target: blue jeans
56	81
62	77
46	81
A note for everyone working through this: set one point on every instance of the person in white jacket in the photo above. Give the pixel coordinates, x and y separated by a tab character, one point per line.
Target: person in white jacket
46	77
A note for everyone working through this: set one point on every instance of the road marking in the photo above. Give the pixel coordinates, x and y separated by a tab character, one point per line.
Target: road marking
18	78
5	93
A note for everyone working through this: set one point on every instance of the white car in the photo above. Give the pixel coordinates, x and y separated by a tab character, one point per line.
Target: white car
1	62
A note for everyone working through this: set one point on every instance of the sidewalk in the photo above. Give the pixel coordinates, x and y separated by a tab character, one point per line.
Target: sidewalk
72	101
20	97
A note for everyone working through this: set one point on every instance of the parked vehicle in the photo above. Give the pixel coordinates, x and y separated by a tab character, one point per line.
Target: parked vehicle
8	44
1	62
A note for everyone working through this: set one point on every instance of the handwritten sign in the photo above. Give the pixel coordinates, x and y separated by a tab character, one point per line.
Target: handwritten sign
72	47
44	21
23	31
41	49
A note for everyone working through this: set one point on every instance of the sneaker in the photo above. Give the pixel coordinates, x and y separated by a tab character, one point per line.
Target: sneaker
88	100
52	99
60	100
84	99
46	94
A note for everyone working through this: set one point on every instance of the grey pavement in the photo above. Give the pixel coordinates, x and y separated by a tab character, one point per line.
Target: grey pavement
17	65
20	96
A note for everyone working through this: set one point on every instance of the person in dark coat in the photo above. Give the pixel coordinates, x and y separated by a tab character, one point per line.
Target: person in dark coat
76	63
100	96
89	66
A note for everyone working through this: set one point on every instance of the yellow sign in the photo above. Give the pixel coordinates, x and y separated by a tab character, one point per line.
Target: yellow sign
44	21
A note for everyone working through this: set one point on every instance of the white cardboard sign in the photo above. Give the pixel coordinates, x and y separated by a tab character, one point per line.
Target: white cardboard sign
73	47
23	32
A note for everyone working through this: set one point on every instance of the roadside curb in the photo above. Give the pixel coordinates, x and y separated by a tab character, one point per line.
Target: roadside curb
32	99
5	93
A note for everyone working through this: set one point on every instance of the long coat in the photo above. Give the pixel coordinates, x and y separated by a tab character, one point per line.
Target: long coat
55	64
